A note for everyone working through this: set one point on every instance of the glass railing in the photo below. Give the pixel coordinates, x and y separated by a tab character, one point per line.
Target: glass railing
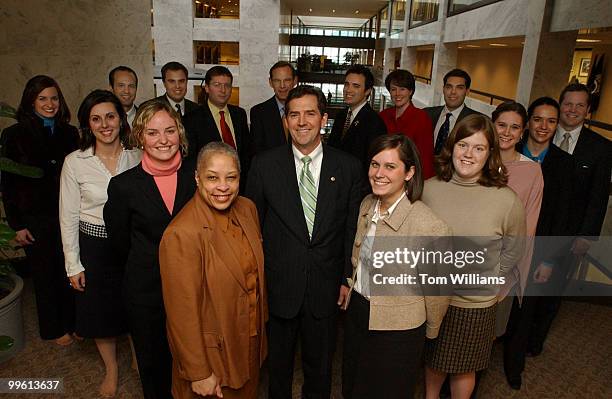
459	6
423	12
228	9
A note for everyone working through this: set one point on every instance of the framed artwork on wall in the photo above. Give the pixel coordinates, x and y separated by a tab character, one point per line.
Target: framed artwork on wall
585	66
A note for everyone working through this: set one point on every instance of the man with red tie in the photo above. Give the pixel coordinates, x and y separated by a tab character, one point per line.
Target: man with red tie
216	120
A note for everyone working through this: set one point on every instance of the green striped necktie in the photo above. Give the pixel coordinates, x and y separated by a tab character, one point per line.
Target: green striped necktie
308	194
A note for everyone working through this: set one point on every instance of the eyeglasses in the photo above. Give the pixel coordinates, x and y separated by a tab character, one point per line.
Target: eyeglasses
218	85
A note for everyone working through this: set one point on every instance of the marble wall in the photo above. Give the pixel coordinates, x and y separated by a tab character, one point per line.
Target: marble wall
572	14
76	42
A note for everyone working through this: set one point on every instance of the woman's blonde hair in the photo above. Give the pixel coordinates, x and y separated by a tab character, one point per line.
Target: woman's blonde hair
145	113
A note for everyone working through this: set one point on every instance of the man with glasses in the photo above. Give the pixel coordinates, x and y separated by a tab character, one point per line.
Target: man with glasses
267	117
216	120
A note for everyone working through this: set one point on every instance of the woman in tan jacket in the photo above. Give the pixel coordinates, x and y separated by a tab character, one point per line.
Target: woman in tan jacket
386	323
211	263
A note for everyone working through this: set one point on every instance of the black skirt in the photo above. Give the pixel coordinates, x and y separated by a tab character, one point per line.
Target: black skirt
99	309
465	340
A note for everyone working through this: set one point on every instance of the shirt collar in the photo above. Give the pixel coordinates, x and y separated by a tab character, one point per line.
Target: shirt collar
455	113
215	109
389	212
280	105
173	103
573	133
358	108
317	152
539	158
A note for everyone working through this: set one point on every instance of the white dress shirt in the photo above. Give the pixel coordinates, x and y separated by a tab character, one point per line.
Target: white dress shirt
452	121
574	135
173	104
131	114
365	254
83	185
356	110
315	166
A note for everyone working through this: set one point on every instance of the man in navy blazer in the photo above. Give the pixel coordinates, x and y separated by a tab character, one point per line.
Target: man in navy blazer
267	127
175	77
307	245
216	120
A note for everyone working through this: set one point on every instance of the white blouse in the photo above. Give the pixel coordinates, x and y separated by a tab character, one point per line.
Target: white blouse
83	186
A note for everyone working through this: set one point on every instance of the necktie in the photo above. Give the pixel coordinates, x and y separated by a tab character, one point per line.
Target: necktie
226	133
564	145
282	111
308	194
347	122
178	109
442	134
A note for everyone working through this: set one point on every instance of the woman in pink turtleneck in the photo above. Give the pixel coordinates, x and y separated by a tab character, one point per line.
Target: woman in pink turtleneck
141	203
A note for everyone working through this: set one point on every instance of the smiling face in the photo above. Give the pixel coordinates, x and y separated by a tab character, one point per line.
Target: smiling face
124	87
176	85
282	81
105	123
47	102
509	128
161	137
470	155
455	90
543	124
218	179
574	109
354	91
219	90
400	95
388	175
304	122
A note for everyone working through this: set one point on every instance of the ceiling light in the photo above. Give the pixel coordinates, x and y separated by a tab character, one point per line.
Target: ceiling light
471	45
198	2
356	11
310	10
498	45
588	40
333	10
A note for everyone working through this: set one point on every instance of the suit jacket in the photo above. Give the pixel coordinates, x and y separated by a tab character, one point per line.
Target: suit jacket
298	268
136	216
434	115
592	156
32	203
189	105
267	126
414	223
366	126
201	129
206	297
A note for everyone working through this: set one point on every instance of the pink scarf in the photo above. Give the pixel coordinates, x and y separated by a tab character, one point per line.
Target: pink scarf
165	176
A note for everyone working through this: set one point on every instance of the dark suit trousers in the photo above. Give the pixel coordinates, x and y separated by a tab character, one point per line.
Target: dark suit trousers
378	364
54	296
317	339
148	330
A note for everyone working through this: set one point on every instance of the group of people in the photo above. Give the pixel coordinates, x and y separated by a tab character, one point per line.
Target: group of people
217	245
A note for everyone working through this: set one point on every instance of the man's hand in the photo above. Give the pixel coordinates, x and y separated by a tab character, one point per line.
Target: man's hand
580	246
78	281
343	297
208	386
24	237
542	273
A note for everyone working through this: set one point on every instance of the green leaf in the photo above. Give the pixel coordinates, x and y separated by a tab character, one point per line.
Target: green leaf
7	111
6	343
8	165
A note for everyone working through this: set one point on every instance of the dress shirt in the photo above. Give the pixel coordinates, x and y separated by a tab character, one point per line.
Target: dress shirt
173	104
574	135
538	158
281	107
366	250
356	110
451	122
131	114
214	110
315	166
83	185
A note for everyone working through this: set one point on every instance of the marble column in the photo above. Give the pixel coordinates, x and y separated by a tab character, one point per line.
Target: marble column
409	58
445	59
259	41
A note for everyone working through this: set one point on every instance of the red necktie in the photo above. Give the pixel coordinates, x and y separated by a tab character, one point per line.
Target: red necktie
226	133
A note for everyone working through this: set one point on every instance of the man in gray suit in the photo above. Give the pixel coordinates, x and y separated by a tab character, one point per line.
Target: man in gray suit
444	117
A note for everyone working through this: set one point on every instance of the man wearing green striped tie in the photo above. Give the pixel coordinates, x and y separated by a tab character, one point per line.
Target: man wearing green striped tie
307	195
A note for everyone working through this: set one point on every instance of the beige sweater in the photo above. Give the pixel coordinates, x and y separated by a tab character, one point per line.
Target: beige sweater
492	217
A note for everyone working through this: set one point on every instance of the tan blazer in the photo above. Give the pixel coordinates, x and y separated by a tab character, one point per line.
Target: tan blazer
410	221
205	297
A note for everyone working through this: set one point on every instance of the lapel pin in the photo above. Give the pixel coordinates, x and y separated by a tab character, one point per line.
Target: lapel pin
356	123
332	178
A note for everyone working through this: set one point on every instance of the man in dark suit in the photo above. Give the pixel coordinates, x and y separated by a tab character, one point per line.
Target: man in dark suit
307	196
444	117
216	120
267	118
123	82
528	321
356	126
175	77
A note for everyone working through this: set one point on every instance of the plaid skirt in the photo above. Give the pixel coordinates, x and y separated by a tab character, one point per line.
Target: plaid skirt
465	340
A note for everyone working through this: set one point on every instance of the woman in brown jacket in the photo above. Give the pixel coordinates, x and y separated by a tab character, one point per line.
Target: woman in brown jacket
211	263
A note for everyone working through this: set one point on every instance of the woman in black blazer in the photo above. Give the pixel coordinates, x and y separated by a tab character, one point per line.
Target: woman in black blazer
41	138
141	203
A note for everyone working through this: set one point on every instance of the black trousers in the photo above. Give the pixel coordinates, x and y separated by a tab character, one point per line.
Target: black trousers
147	325
378	364
317	339
54	296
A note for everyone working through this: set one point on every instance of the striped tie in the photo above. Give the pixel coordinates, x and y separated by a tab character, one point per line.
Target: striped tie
308	194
